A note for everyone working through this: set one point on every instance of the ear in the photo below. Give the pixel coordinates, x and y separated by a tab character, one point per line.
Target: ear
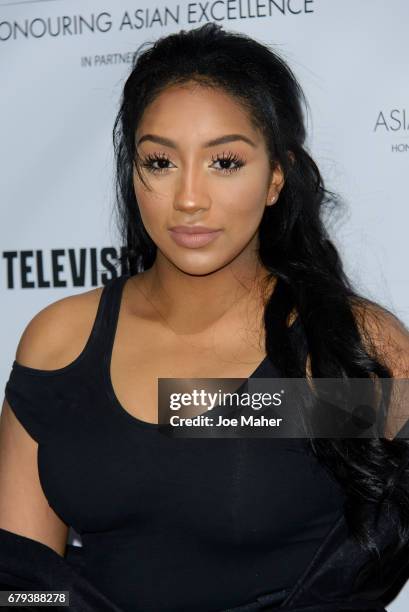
275	185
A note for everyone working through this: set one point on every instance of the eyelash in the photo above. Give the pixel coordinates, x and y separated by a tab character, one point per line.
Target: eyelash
230	157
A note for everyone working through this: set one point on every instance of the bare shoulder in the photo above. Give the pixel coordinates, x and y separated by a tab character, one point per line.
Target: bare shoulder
385	335
56	335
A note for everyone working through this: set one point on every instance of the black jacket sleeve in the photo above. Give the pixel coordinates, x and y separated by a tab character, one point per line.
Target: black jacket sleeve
26	564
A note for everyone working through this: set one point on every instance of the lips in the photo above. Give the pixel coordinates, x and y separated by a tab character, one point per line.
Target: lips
195	240
192	229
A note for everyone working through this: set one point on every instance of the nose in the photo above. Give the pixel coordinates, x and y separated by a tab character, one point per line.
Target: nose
191	194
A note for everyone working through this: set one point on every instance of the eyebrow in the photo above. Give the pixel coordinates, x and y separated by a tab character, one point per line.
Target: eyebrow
167	142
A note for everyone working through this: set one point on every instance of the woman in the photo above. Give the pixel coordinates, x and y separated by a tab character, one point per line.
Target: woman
231	274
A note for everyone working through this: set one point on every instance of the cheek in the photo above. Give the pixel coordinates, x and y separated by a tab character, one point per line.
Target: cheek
152	207
153	219
242	209
237	203
245	192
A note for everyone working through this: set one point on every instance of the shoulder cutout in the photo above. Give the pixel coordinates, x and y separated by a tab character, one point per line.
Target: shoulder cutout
387	338
58	333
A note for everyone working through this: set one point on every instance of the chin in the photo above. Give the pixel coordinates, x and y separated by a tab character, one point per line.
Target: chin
197	266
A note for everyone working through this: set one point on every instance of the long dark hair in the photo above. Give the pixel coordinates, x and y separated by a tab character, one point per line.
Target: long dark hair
294	246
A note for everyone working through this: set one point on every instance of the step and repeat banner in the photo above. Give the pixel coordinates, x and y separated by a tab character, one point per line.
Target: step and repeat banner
63	64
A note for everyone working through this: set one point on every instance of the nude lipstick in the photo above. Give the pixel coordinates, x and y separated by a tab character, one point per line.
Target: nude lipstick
193	236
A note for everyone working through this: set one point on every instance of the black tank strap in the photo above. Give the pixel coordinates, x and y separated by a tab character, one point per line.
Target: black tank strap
104	329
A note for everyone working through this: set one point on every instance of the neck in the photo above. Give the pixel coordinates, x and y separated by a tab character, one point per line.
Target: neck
196	303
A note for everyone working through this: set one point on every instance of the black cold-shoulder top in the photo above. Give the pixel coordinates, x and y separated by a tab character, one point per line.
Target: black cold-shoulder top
169	524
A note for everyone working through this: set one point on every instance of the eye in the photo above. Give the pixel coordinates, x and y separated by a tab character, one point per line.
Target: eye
150	160
162	160
226	160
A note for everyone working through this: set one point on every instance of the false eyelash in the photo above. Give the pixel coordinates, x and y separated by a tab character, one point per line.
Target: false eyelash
150	159
231	157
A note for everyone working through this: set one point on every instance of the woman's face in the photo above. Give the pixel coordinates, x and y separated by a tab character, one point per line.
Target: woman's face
222	185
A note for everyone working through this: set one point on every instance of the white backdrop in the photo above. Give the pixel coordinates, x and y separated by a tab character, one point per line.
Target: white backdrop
62	68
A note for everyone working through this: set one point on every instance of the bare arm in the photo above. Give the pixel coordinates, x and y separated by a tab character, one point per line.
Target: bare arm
53	338
23	506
